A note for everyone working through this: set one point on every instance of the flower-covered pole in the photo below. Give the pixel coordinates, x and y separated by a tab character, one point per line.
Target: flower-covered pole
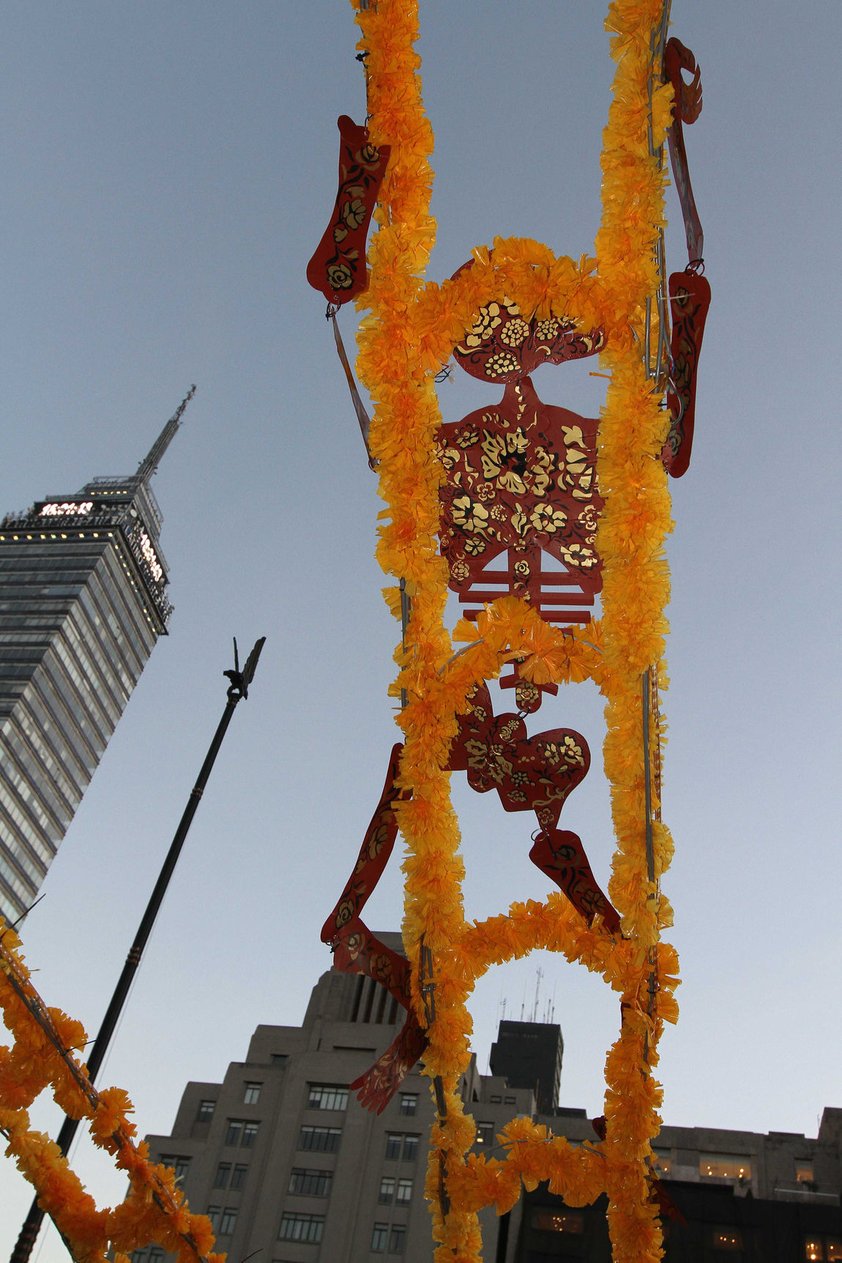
410	329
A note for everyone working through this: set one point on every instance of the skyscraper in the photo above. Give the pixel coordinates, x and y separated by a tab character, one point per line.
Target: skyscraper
529	1055
82	602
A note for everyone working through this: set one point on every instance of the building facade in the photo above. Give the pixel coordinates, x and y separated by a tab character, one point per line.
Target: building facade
82	602
529	1055
292	1170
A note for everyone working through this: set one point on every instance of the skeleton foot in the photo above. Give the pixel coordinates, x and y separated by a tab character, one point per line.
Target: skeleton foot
560	854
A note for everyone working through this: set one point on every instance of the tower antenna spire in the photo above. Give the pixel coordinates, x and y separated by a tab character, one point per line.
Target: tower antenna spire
151	461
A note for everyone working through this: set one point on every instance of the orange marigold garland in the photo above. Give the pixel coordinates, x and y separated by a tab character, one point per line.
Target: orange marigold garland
154	1211
408	332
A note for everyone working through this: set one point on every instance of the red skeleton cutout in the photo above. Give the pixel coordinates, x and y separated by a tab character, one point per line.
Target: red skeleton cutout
519	510
521	488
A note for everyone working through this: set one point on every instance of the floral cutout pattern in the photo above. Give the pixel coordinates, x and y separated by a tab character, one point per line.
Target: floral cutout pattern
337	269
501	345
521	480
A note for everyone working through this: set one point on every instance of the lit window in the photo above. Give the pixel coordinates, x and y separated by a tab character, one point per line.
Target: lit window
804	1172
310	1183
485	1134
320	1139
387	1190
205	1111
558	1221
823	1249
726	1239
663	1161
409	1103
298	1227
223	1175
251	1094
725	1166
326	1096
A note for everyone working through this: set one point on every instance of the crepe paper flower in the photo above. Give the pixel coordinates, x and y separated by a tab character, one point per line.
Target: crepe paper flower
154	1210
410	328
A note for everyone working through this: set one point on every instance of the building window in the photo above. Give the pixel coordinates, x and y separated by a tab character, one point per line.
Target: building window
558	1221
238	1176
213	1213
320	1139
179	1164
401	1147
310	1183
298	1227
205	1111
404	1193
495	1100
227	1222
397	1239
728	1240
508	1100
725	1166
485	1133
823	1249
251	1094
241	1134
804	1172
223	1175
379	1238
409	1103
326	1096
156	1255
279	1059
387	1190
663	1161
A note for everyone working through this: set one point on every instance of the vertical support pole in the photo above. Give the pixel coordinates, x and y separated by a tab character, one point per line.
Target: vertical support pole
238	689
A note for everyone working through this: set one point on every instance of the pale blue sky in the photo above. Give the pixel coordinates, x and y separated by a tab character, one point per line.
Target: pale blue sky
167	171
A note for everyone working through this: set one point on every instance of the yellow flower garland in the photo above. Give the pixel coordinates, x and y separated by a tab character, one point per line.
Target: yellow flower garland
154	1211
410	329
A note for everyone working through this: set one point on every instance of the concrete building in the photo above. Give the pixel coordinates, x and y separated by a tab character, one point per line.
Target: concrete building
736	1196
82	603
292	1170
529	1055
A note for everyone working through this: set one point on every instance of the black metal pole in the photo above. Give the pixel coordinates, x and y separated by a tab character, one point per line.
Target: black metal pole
238	689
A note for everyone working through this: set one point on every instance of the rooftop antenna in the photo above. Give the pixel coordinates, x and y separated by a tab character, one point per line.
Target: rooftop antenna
538	976
152	459
237	689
